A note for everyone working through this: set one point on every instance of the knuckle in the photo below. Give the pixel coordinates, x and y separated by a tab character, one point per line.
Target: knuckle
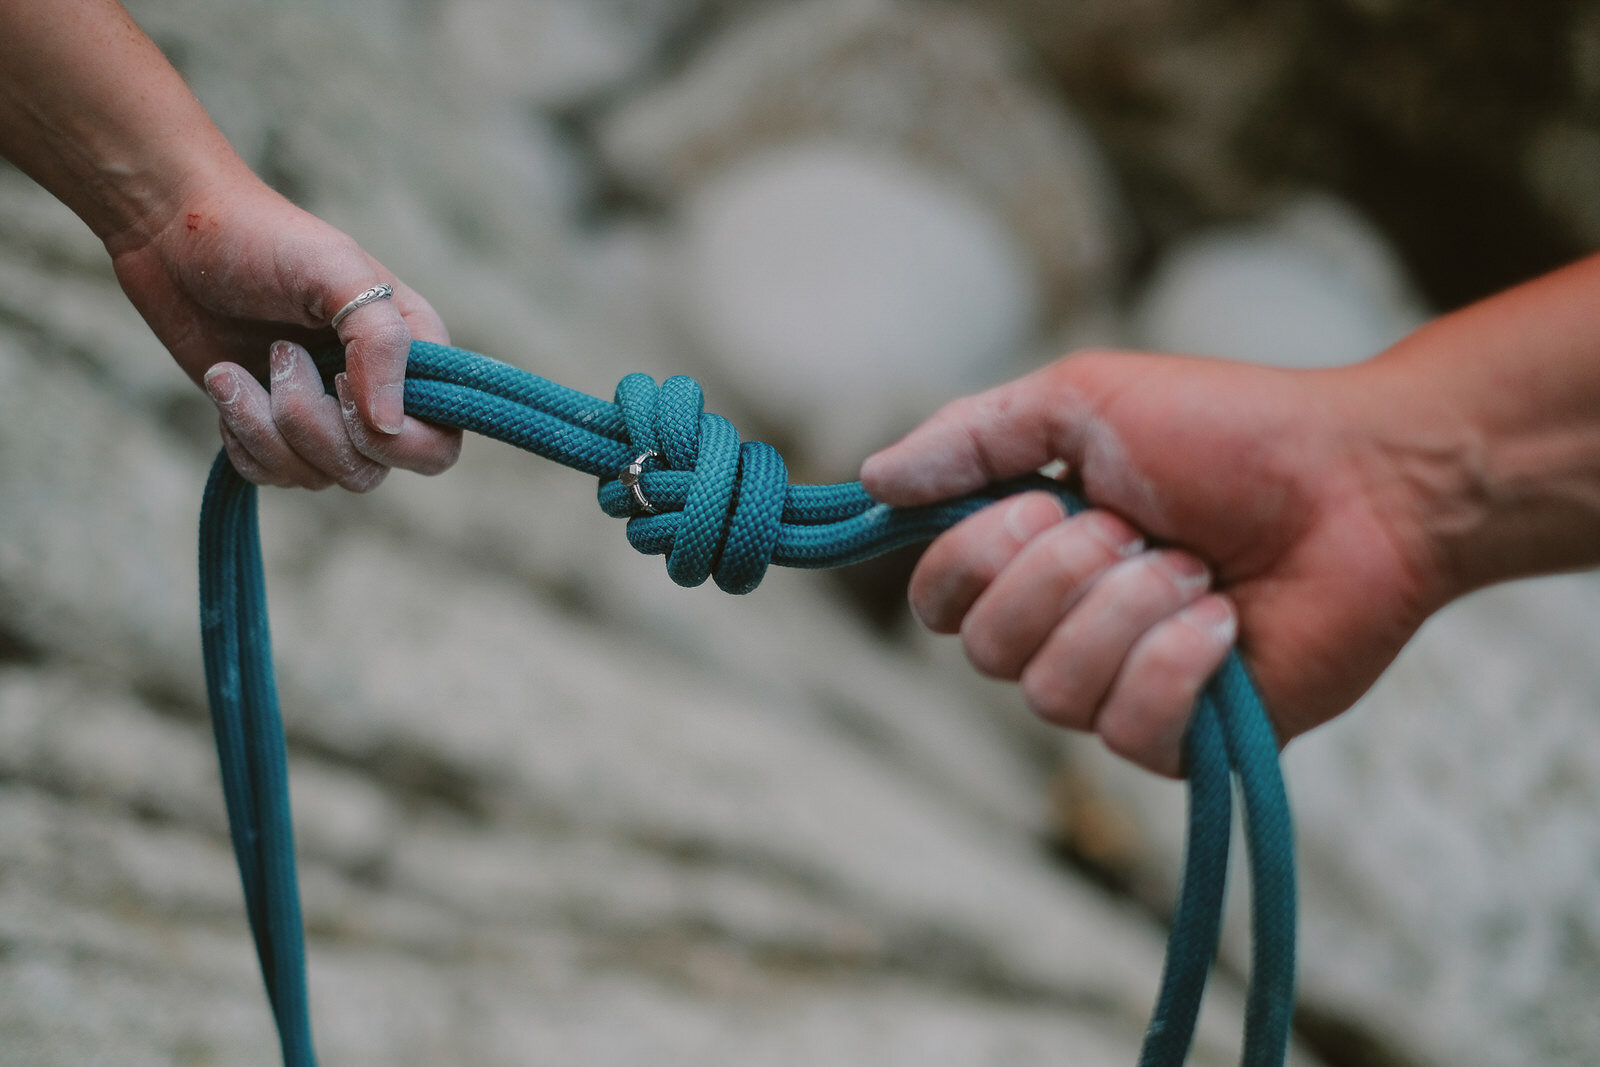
440	459
1170	657
961	411
365	479
1186	574
1114	535
1137	735
1030	515
1159	581
1083	361
382	338
1132	585
291	409
986	654
1075	557
350	248
369	449
1052	699
937	592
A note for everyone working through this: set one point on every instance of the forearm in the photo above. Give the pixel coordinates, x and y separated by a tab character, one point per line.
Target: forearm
90	108
1490	417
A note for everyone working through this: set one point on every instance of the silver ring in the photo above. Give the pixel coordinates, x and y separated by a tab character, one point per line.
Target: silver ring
377	292
630	478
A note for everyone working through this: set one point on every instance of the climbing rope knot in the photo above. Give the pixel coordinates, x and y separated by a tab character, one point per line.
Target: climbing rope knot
718	503
714	508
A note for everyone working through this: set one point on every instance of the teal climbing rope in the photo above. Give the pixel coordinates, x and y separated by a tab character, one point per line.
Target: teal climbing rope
722	509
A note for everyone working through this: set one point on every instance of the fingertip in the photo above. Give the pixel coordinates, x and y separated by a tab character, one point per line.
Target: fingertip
387	407
357	426
877	474
222	383
1214	617
889	475
341	389
1028	514
280	363
920	468
422	447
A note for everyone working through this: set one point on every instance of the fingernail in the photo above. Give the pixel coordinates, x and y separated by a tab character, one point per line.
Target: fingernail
221	384
1214	616
341	386
281	361
1115	534
1027	516
388	412
1188	574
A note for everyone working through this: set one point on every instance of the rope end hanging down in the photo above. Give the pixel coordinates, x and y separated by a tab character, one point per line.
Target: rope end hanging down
717	508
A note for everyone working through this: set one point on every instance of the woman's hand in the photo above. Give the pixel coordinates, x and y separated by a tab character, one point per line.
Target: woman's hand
1271	515
236	283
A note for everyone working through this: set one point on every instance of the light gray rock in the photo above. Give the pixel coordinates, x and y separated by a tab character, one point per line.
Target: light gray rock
555	52
1313	286
937	83
96	546
838	289
55	279
1450	840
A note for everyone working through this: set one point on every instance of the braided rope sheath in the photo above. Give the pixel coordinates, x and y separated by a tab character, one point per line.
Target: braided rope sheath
722	510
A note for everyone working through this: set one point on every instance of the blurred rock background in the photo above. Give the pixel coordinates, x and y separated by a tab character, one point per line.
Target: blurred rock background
553	809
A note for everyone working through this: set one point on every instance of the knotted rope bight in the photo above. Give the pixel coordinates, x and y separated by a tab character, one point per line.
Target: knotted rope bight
722	509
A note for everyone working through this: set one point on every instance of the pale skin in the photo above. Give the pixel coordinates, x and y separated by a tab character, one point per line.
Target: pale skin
232	278
1316	516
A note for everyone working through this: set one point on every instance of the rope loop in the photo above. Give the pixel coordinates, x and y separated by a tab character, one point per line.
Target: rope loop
720	509
718	503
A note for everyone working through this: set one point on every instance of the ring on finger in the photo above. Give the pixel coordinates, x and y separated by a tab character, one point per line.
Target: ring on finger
382	291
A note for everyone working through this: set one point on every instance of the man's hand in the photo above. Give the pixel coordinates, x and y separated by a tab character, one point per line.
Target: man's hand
1268	514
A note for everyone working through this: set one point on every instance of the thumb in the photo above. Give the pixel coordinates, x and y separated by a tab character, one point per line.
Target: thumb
1006	431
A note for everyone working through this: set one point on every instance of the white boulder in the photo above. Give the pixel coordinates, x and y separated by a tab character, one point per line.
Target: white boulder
839	289
1313	286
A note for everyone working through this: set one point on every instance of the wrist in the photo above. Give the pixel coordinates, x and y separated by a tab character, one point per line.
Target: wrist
1483	432
1414	461
132	203
91	110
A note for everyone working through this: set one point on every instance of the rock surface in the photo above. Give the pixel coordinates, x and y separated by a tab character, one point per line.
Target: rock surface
942	85
876	207
549	807
1312	286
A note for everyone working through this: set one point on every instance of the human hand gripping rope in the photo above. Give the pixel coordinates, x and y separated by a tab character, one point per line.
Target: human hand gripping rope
723	509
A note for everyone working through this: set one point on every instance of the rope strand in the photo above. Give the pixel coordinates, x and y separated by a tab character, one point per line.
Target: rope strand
724	510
